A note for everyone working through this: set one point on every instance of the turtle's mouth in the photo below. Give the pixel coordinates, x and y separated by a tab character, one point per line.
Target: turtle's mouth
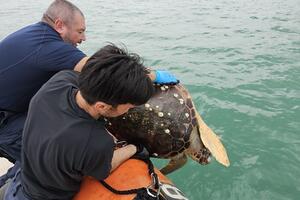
204	156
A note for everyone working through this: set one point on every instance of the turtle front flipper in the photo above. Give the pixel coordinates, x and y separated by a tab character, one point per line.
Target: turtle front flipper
174	164
212	142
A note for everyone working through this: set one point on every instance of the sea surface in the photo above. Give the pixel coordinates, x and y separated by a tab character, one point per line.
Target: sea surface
240	60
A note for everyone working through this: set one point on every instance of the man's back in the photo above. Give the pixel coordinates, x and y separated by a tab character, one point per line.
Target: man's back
29	57
61	142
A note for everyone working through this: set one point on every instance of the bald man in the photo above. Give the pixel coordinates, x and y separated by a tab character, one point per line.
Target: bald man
31	56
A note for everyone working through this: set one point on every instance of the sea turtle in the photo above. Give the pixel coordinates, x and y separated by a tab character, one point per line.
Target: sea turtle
169	126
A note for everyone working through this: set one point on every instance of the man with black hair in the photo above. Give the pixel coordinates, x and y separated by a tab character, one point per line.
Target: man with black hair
30	57
64	136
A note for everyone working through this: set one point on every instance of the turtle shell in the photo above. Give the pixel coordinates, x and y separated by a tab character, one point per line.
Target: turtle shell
163	125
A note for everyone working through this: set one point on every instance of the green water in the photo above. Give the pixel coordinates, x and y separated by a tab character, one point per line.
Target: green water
240	60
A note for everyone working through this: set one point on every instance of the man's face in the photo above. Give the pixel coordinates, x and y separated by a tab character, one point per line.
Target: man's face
117	111
75	33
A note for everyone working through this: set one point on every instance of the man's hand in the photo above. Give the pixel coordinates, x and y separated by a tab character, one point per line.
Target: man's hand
164	77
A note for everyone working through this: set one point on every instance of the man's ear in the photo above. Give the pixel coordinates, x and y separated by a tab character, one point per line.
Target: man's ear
59	26
102	107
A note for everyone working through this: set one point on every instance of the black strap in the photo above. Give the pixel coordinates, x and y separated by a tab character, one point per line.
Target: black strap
137	190
121	192
151	172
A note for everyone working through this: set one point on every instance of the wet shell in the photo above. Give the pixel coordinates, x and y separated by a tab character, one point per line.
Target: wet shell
165	132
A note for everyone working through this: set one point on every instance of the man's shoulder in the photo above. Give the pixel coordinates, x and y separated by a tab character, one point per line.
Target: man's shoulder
32	29
60	84
64	77
29	39
39	26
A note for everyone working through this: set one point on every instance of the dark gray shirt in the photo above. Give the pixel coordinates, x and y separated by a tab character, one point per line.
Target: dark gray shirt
61	142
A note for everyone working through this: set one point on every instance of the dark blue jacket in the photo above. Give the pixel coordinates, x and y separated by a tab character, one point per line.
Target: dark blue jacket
28	58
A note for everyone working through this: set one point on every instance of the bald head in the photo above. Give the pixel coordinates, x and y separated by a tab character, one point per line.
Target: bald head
67	20
61	9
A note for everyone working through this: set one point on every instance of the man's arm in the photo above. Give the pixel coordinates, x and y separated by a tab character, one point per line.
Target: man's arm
78	67
121	155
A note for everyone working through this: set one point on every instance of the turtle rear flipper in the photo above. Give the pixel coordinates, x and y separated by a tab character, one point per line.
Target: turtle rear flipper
197	150
174	164
212	142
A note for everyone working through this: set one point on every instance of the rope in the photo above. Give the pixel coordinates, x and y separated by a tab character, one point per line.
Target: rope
152	173
137	190
121	192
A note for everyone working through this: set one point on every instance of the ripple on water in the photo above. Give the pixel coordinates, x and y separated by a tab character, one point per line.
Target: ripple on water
240	61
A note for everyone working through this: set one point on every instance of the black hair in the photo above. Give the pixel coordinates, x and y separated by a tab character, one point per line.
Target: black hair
114	76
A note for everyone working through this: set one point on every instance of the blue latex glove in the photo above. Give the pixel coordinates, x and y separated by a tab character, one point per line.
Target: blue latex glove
165	77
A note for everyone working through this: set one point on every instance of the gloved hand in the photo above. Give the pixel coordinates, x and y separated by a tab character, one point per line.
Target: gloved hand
141	151
165	77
